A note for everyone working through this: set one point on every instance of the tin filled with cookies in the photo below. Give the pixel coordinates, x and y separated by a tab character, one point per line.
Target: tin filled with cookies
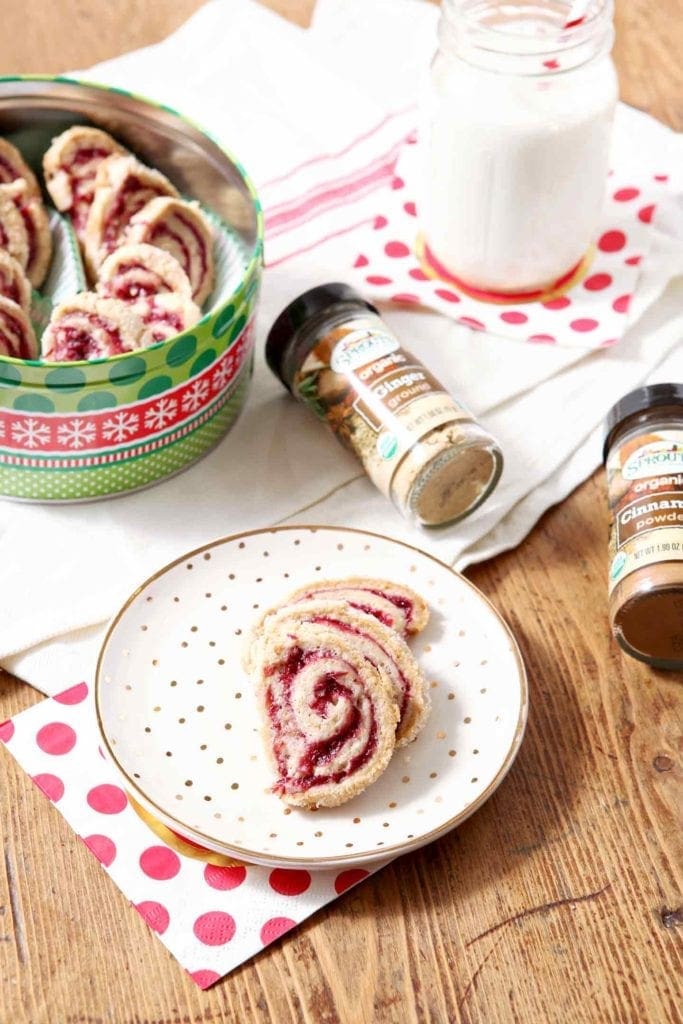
127	296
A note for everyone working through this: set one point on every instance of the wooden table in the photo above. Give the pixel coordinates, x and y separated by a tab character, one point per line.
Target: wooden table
559	901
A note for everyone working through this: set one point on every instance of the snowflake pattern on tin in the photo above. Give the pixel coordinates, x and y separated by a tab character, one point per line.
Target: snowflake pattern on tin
161	414
76	433
30	433
121	426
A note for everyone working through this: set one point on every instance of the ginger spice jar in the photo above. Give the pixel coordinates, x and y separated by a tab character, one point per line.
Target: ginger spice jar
644	460
416	442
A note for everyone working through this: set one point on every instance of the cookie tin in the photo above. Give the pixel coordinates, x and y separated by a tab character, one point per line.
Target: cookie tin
86	430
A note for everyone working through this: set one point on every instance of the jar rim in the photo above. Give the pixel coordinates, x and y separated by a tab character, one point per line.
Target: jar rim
464	22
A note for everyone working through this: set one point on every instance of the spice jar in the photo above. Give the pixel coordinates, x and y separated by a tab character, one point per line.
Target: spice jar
644	459
515	135
418	444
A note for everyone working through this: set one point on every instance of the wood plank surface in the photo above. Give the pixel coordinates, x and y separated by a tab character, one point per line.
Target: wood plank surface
560	901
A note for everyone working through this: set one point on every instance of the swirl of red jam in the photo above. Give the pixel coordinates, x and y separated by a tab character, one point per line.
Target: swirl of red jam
9	287
134	281
344	627
329	690
83	181
130	198
15	337
164	233
74	339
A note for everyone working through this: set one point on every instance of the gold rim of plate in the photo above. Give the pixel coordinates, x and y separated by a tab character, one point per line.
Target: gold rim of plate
149	810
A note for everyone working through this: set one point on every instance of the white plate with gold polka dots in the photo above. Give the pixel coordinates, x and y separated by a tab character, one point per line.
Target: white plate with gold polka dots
180	724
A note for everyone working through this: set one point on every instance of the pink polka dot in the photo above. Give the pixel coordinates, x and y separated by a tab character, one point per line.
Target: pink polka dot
633	261
583	324
51	786
622	195
107	799
661	177
542	339
396	249
621	304
612	241
289	882
204	978
215	928
560	303
160	863
596	282
378	279
471	321
397	183
405	297
361	261
411	138
446	295
646	213
276	927
410	209
224	878
103	848
74	695
56	738
512	317
417	274
346	879
6	730
380	222
154	914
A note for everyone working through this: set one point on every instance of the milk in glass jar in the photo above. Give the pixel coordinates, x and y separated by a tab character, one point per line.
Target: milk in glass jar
516	134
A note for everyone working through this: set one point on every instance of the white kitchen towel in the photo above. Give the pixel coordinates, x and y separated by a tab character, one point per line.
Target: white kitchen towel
292	104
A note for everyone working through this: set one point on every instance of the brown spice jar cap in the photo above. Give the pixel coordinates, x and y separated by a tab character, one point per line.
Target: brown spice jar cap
639	400
299	311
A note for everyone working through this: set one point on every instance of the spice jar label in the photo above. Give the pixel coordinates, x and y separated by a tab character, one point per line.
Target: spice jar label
378	399
645	484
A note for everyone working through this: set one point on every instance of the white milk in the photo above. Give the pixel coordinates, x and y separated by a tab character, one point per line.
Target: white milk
515	155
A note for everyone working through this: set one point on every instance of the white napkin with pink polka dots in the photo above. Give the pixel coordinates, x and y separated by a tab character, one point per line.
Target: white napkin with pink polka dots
211	918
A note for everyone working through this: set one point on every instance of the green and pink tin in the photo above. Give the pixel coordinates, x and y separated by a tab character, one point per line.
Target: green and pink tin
86	430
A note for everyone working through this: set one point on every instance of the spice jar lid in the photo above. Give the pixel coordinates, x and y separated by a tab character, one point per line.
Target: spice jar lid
647	397
299	312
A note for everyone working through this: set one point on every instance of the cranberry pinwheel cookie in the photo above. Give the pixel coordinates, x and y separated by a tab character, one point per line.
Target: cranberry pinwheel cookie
394	605
14	283
36	226
90	327
380	644
139	270
13	166
123	186
167	314
329	714
181	229
70	166
16	334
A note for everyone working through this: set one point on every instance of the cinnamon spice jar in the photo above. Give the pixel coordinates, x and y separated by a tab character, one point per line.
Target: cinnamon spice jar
644	459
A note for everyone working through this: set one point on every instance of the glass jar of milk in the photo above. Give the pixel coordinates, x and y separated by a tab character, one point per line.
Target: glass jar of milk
515	142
